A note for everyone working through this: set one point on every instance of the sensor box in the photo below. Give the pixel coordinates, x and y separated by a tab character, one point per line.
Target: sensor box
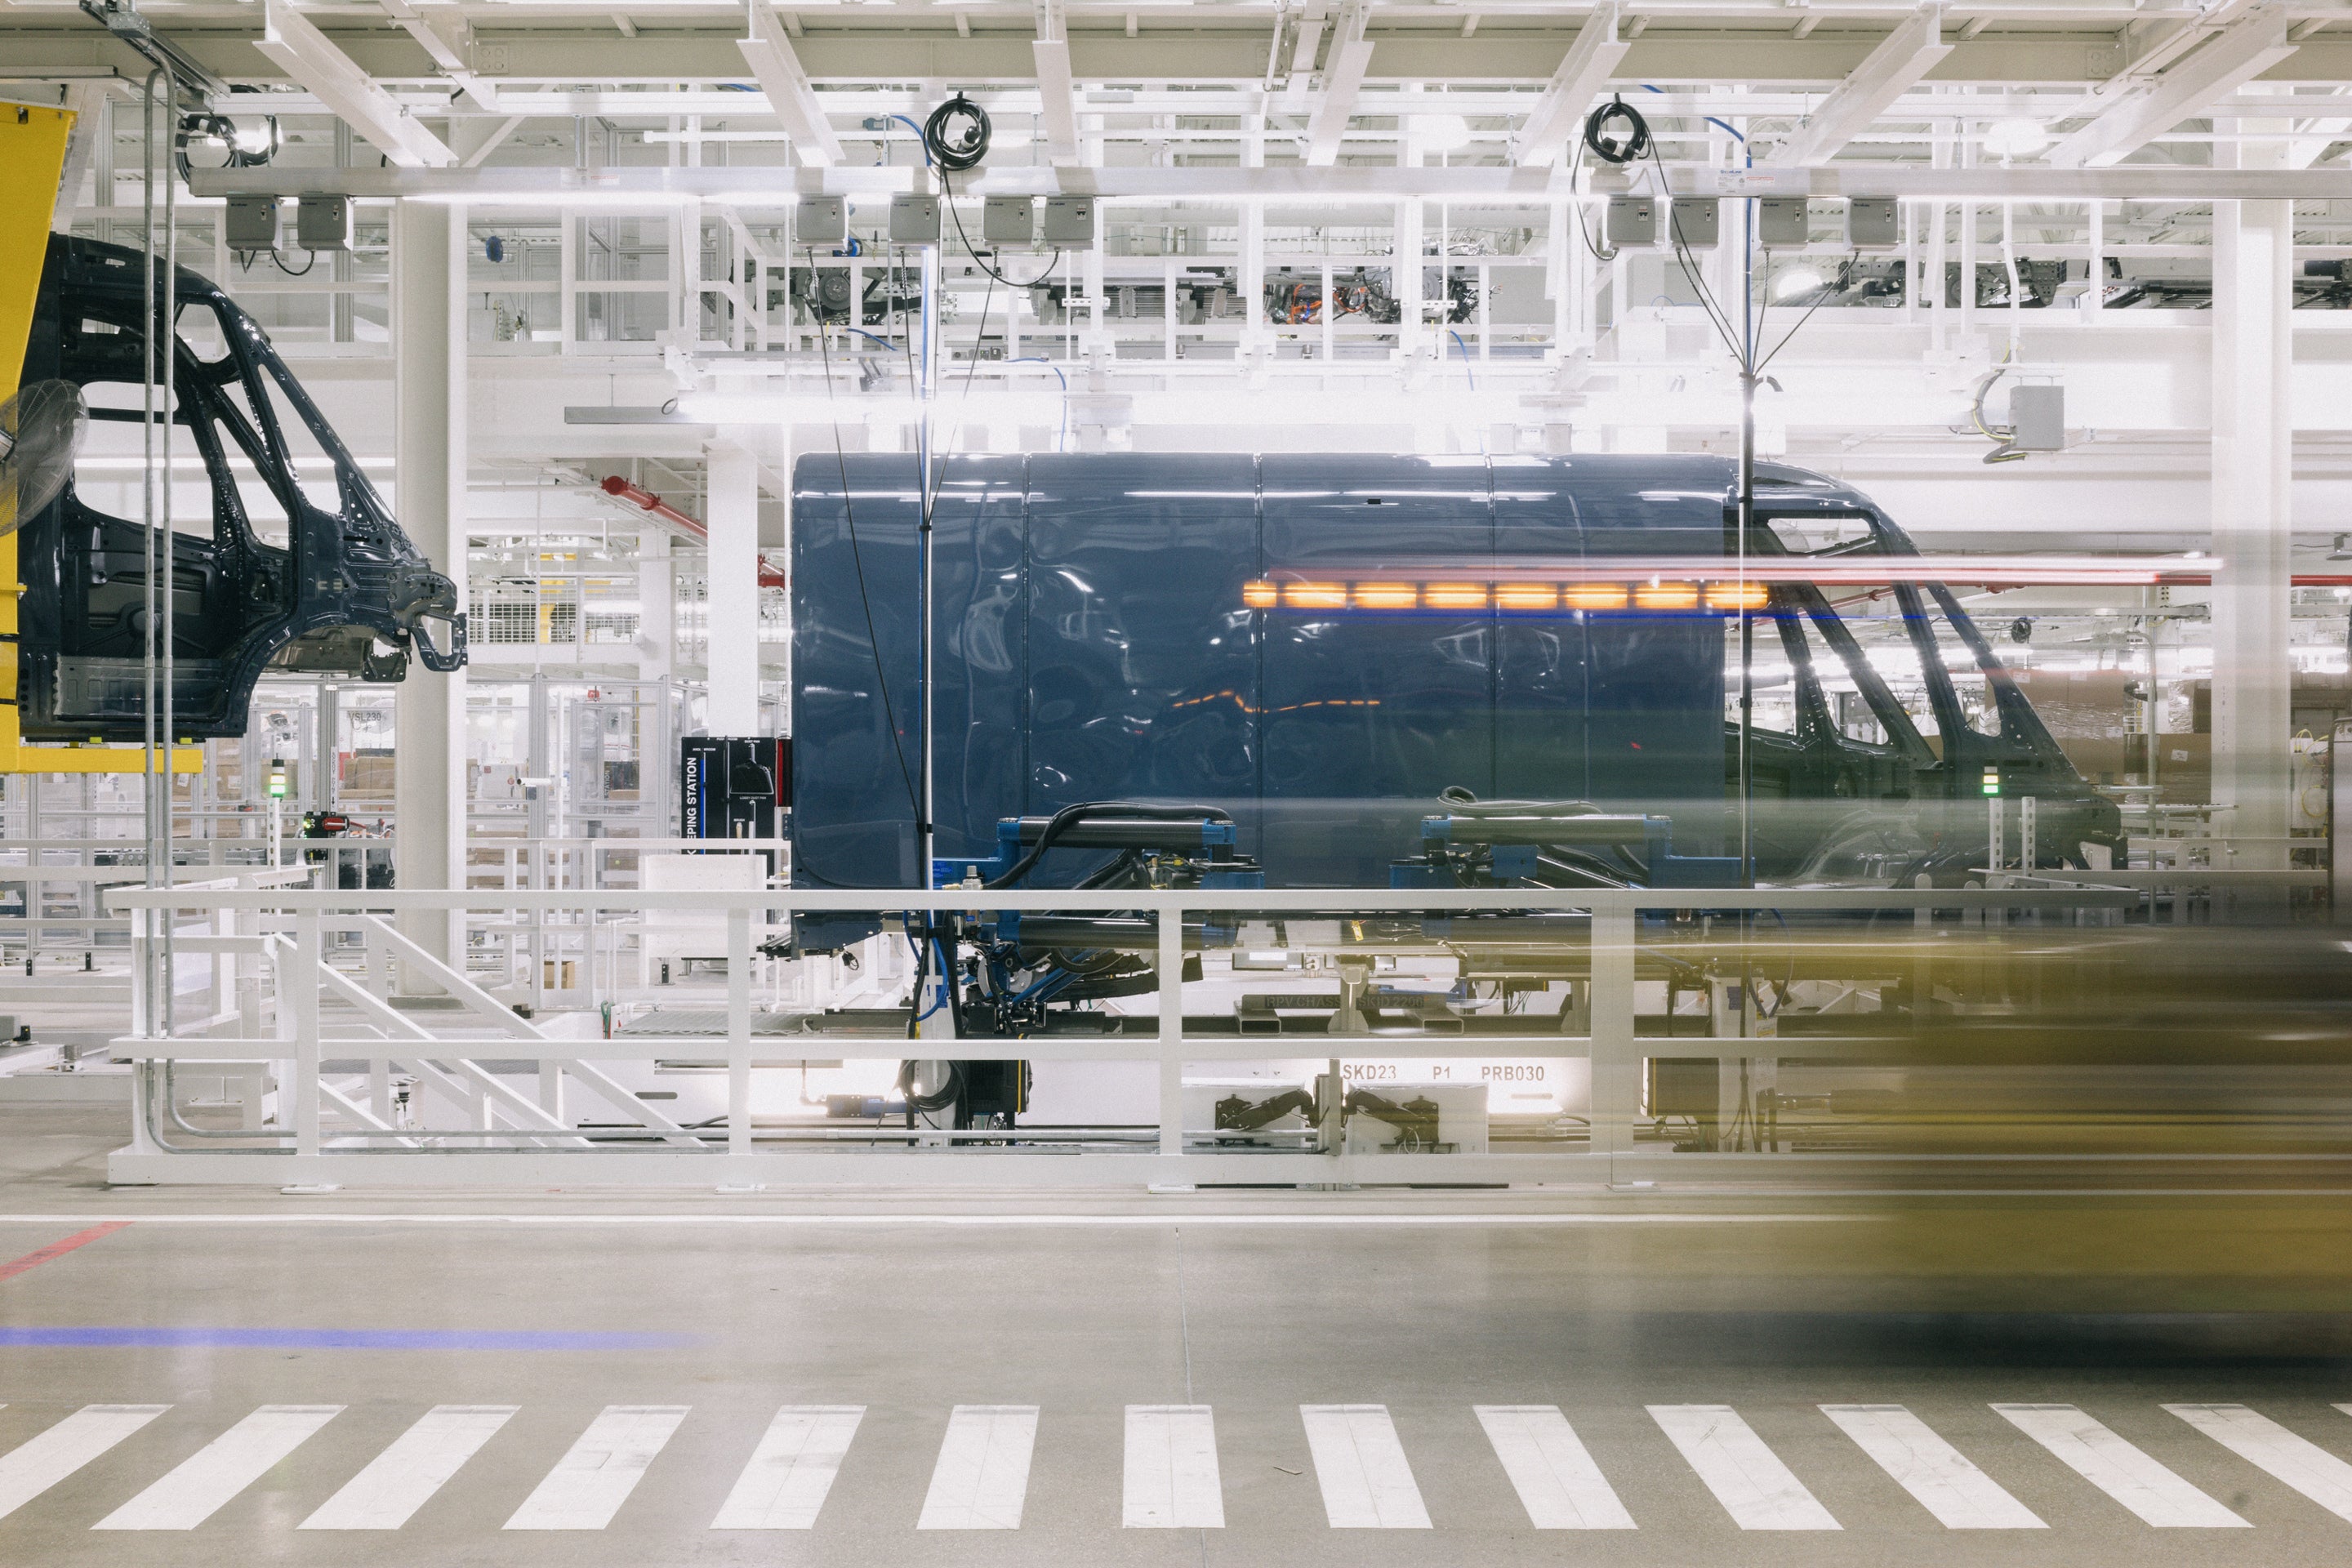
914	220
820	220
1009	220
1874	223
1782	223
1633	222
1694	221
1069	220
323	223
253	223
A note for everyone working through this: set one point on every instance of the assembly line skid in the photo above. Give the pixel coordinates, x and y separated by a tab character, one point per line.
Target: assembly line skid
284	942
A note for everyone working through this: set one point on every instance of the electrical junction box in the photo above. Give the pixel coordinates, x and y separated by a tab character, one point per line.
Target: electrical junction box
1069	220
1874	223
914	220
1782	223
323	223
1694	221
1009	220
820	220
2037	419
1633	221
253	223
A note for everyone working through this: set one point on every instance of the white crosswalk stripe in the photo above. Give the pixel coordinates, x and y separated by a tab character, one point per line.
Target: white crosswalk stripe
785	1484
1558	1483
205	1482
1172	1480
1947	1484
981	1477
1755	1488
2259	1440
420	1461
592	1481
2119	1469
43	1460
1170	1477
1361	1465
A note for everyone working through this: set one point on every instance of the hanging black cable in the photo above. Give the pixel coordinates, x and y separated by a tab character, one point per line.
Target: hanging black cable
956	135
1622	147
857	566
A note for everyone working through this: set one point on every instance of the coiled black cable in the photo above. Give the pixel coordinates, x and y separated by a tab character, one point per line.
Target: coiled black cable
957	148
1622	147
943	1098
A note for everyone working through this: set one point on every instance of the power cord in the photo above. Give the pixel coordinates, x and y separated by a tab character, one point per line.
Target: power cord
857	564
1621	148
956	136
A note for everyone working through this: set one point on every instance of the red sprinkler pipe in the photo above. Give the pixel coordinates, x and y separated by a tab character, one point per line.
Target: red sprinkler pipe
636	495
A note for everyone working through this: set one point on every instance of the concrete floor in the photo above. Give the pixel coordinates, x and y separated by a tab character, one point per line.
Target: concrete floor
1253	1304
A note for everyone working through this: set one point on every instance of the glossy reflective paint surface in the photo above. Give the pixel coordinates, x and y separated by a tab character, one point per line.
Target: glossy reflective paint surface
1093	645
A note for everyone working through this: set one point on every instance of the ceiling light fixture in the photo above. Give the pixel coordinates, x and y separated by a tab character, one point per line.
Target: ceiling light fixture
2015	138
1441	132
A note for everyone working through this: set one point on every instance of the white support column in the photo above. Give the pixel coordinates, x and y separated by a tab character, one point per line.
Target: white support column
2253	251
731	513
304	995
1252	236
1171	974
1616	1054
1407	281
657	606
429	280
739	1031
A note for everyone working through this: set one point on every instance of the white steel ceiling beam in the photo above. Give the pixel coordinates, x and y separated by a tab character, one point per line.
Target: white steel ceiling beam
1586	68
87	101
1344	66
2192	83
443	37
1057	101
650	187
1300	77
1885	74
302	52
768	51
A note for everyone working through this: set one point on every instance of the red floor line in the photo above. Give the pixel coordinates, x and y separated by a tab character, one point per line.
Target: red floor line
59	1248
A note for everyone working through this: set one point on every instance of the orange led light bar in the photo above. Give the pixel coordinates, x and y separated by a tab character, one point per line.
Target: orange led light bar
1589	596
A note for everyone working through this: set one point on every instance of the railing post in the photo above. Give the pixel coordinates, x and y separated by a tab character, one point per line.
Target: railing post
1171	1029
739	1031
143	1013
1616	1060
304	990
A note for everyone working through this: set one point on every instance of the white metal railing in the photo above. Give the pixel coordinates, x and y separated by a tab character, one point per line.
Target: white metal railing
336	1132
